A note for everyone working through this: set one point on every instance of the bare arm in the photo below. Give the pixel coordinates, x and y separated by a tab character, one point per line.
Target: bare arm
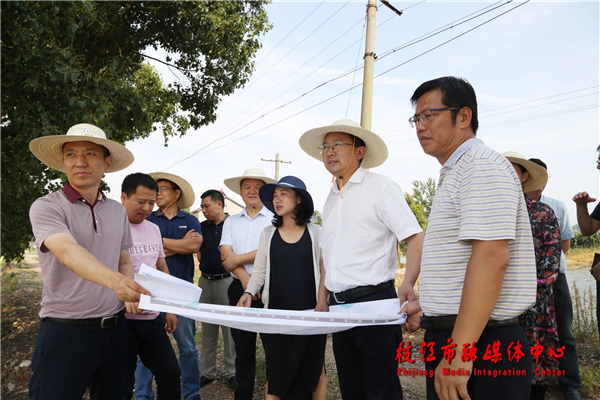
323	296
84	264
565	245
414	250
587	224
230	258
483	282
161	265
189	244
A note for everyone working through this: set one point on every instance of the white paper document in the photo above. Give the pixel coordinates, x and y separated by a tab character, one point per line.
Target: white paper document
166	286
339	318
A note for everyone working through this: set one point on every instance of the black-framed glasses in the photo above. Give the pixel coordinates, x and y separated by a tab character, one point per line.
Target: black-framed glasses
427	115
598	161
336	146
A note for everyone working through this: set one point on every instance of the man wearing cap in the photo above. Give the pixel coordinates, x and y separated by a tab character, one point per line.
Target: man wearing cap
182	237
478	271
570	382
364	217
214	283
239	243
82	239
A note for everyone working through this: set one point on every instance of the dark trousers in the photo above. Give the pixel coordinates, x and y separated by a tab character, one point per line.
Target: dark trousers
149	339
366	357
564	321
245	347
488	387
68	359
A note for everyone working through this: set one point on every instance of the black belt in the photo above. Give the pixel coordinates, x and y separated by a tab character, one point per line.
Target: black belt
215	277
359	292
446	322
102	322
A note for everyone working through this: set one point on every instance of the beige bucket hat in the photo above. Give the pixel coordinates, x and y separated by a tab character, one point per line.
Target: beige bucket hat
377	151
253	173
187	192
538	176
49	149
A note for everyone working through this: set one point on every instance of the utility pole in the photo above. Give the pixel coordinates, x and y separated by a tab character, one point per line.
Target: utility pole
277	161
366	114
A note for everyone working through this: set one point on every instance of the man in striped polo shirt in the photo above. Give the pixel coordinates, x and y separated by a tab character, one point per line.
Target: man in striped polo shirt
478	266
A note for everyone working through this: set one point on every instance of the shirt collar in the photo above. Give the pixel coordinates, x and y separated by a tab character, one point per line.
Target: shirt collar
262	211
179	214
209	222
462	149
357	177
73	195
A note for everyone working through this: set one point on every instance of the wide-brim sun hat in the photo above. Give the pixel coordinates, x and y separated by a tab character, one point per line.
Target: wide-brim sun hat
538	176
187	192
253	173
375	155
49	149
266	192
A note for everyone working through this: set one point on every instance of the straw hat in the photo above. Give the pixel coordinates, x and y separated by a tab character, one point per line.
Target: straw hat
49	149
538	177
266	192
252	173
375	155
187	193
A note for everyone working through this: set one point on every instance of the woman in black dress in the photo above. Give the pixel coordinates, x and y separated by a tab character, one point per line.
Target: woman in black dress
288	263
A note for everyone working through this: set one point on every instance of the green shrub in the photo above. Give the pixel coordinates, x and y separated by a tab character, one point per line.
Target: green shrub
584	316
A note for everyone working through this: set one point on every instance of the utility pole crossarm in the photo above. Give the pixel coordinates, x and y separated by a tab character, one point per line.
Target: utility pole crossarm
277	161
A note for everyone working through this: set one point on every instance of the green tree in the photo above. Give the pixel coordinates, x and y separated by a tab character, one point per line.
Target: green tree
318	218
424	192
71	62
419	213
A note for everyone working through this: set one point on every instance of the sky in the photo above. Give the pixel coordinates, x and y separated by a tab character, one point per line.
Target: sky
534	67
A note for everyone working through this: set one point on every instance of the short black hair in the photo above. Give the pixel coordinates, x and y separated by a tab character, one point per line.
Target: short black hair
132	181
214	195
302	212
522	168
106	151
456	92
539	162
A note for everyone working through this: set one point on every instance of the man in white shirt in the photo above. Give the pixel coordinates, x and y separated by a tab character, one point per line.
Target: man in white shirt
239	242
364	217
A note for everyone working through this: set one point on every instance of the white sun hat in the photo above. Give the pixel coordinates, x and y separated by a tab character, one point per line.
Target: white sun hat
375	155
253	173
187	192
49	149
538	176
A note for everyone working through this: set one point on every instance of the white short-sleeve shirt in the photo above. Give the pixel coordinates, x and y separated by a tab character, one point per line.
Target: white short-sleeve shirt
242	232
479	197
361	230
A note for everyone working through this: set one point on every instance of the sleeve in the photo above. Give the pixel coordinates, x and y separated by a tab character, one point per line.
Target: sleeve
194	224
596	213
259	271
548	260
566	229
395	212
127	240
489	198
226	239
47	219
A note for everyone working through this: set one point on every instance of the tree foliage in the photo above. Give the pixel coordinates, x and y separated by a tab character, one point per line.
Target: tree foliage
419	212
424	192
65	63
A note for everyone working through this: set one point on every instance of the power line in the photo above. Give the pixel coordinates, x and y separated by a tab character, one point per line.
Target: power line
203	150
541	98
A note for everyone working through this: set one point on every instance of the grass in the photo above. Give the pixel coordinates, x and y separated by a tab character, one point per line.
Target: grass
10	282
585	327
580	258
590	380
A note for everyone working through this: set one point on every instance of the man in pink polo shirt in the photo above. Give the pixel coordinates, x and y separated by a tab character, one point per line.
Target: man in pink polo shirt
83	241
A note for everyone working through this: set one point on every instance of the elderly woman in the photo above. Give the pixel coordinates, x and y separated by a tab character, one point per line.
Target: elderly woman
539	321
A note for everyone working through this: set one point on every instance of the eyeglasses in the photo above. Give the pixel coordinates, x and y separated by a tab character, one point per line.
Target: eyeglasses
164	189
336	146
427	115
598	161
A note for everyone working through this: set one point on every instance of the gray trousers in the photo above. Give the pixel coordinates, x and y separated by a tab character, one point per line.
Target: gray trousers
215	292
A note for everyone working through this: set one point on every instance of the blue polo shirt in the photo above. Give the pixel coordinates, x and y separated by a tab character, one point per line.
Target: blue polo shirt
596	213
180	265
210	260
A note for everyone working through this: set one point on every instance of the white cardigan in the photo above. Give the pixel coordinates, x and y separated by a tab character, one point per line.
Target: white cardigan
261	272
